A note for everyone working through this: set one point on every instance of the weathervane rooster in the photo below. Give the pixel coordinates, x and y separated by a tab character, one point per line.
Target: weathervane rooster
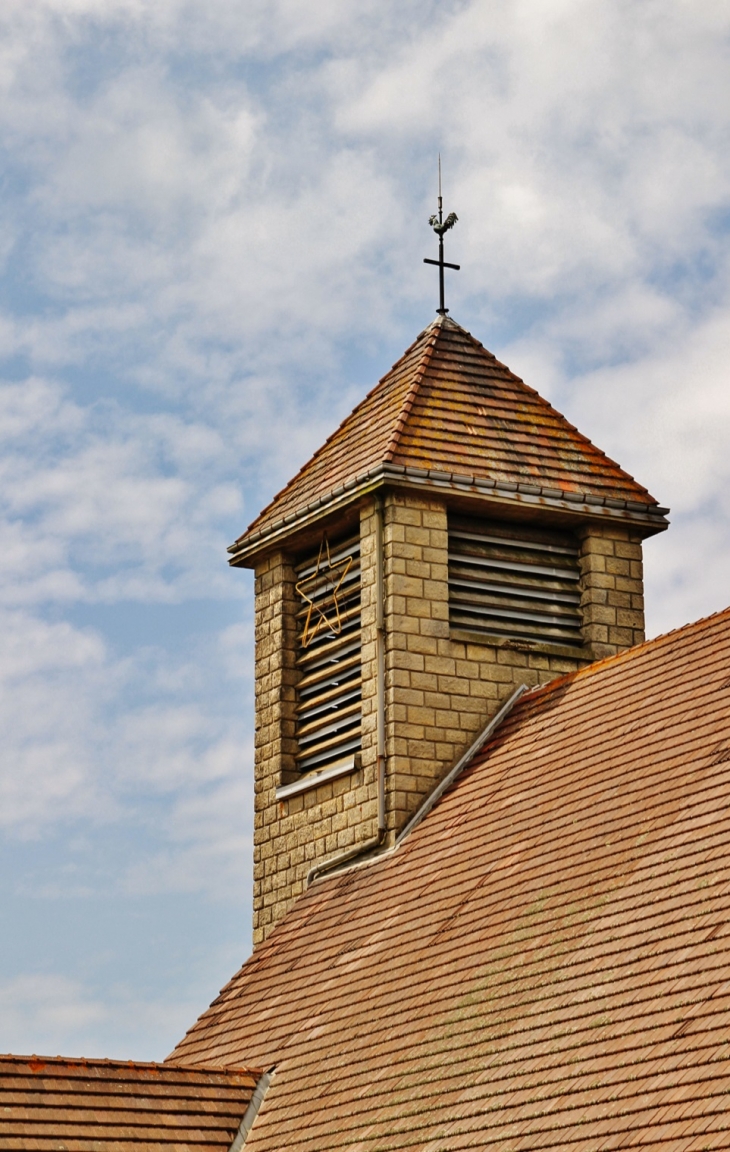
440	226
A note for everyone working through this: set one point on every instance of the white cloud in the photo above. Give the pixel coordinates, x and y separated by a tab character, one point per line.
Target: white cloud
210	214
52	1008
584	142
66	1018
140	498
215	241
45	715
669	406
667	415
209	839
76	747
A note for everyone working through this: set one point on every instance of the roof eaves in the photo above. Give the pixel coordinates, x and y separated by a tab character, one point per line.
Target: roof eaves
325	504
124	1104
643	515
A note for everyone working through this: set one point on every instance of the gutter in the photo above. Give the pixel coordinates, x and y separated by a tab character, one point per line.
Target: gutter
252	1111
377	840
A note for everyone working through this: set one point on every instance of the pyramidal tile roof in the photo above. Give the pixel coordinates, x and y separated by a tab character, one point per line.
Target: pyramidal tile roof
449	407
543	963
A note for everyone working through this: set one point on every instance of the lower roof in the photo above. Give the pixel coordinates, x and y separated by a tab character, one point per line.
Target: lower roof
544	963
49	1103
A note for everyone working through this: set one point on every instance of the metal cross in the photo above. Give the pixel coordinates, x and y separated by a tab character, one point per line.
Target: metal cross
440	226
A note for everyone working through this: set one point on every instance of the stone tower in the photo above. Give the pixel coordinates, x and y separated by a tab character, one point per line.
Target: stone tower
454	538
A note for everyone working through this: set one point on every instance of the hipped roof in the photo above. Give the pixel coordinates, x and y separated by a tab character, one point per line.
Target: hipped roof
47	1103
544	962
449	409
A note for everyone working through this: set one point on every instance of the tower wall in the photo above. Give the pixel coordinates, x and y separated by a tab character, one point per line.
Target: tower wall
441	685
442	688
292	835
612	577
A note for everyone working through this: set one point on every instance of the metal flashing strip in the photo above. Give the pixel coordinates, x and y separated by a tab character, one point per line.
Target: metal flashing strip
252	1111
348	862
448	780
530	494
313	779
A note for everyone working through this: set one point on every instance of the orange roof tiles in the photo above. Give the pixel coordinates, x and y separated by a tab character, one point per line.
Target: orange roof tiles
449	407
544	963
49	1103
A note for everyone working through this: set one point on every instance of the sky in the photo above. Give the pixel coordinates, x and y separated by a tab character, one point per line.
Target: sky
212	226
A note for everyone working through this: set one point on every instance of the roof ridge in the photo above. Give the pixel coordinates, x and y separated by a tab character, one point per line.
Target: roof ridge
408	401
112	1062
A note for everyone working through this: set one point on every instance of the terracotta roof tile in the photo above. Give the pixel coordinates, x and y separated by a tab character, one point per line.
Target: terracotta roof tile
544	963
48	1103
449	406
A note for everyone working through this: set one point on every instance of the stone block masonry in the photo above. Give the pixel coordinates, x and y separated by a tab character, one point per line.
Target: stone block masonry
440	691
612	581
440	688
291	836
274	742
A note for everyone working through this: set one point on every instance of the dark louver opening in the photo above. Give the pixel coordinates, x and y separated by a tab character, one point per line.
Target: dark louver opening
514	582
329	693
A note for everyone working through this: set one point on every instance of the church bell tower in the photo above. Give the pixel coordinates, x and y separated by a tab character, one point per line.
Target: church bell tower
454	538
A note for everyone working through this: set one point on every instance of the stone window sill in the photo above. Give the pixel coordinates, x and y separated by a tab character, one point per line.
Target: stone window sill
572	652
314	779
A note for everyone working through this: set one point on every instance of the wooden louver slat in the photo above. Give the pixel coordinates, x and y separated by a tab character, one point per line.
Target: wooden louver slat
519	583
329	716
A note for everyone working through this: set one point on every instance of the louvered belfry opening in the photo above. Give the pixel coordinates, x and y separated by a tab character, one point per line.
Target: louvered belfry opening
514	581
328	718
